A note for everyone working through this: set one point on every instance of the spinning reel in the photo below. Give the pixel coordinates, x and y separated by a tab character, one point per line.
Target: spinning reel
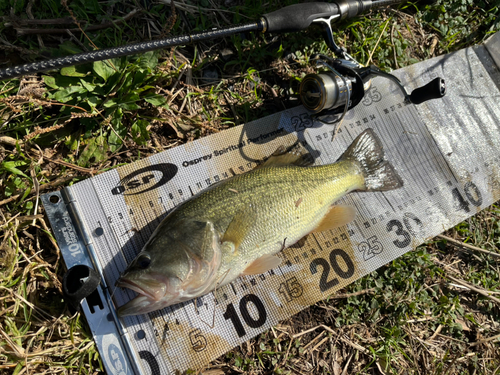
343	81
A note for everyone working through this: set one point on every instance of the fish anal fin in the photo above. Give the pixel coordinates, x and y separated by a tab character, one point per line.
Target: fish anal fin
336	217
240	226
260	265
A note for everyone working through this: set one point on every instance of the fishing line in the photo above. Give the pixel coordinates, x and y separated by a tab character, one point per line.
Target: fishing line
215	302
114	290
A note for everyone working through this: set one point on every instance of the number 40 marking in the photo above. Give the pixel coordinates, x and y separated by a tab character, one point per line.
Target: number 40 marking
472	193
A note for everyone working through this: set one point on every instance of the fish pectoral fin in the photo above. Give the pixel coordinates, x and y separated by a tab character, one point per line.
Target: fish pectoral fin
260	265
295	155
240	226
336	217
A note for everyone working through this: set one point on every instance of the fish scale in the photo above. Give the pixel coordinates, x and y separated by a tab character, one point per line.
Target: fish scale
275	198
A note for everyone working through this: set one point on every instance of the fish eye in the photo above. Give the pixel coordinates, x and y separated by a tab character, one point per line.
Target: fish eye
144	261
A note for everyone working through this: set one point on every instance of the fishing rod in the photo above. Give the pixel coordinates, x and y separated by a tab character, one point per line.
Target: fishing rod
336	90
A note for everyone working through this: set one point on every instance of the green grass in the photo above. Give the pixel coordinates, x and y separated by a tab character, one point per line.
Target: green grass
409	318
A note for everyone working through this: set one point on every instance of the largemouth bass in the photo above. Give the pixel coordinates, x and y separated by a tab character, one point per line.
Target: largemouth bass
237	226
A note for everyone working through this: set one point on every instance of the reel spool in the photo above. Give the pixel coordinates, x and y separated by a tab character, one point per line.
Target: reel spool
324	91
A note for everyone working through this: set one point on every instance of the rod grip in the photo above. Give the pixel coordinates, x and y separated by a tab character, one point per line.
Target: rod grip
298	16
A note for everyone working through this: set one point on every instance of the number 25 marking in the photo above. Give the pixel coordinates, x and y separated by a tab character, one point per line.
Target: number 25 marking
370	248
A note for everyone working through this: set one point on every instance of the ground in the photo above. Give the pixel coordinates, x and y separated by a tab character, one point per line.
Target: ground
433	311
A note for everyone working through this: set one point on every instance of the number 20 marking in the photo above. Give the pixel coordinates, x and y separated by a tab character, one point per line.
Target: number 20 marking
324	284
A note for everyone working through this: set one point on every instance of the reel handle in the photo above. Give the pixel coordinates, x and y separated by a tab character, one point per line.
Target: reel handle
435	89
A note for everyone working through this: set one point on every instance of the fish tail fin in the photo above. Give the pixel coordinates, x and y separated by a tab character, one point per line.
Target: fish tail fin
379	174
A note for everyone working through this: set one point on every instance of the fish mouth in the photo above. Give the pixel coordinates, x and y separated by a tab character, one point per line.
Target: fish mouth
152	289
141	304
147	301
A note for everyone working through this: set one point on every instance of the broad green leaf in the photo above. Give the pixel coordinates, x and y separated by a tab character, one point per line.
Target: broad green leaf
110	103
104	69
129	102
113	84
138	90
73	71
95	152
148	60
89	86
127	83
118	132
130	106
139	132
72	141
93	101
66	81
114	142
156	100
68	93
11	166
50	81
139	77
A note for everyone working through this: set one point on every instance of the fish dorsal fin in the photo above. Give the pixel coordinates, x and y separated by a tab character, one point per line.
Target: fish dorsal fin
336	217
260	265
295	155
240	226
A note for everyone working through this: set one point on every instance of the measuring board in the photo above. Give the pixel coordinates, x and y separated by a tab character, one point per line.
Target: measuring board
447	151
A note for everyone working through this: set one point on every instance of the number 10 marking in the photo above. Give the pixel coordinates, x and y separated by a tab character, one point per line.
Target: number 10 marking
249	320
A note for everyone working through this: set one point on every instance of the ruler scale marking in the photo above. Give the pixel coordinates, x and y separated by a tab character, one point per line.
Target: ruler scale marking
409	162
448	166
419	132
432	145
419	129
